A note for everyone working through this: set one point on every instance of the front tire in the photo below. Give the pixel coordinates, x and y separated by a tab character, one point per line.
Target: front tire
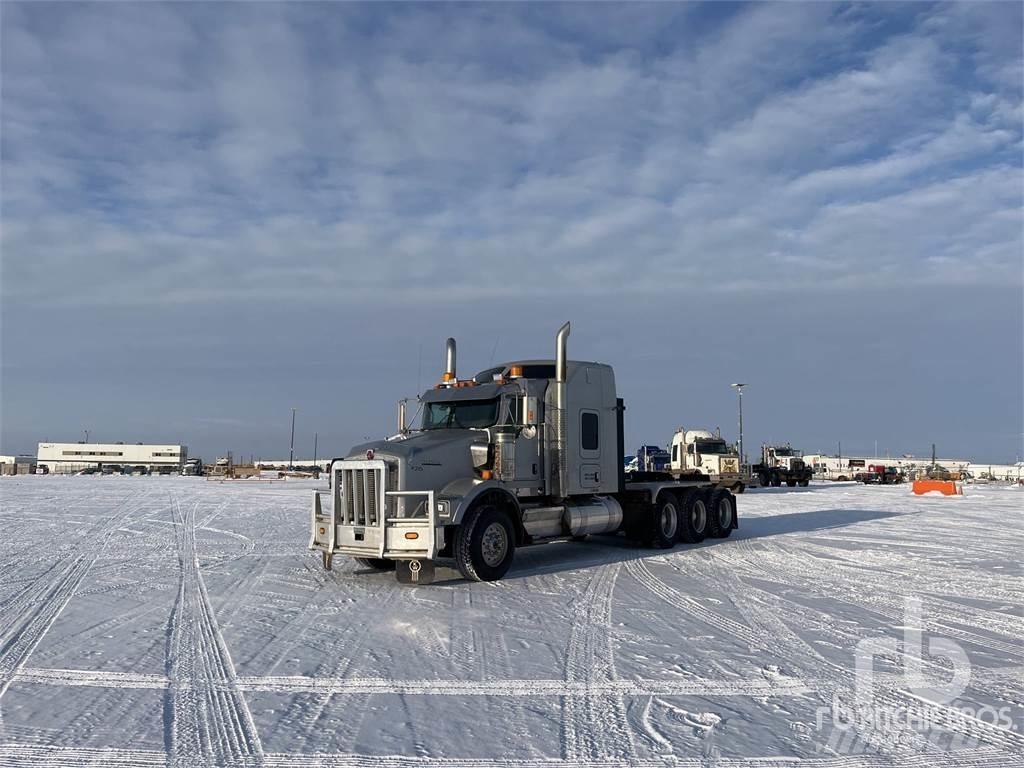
376	563
485	544
721	513
694	523
804	483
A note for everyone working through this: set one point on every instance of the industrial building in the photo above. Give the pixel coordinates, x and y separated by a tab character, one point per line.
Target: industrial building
63	458
17	465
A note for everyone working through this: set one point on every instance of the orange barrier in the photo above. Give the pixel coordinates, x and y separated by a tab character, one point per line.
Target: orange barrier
945	487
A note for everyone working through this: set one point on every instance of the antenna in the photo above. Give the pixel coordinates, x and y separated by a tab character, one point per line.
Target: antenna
419	369
494	349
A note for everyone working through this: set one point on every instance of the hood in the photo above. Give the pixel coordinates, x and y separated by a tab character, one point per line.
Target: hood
419	445
430	459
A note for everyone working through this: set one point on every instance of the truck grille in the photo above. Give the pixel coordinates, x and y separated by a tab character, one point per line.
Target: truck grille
360	495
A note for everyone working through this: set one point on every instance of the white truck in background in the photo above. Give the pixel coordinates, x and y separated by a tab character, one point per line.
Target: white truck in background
701	452
782	464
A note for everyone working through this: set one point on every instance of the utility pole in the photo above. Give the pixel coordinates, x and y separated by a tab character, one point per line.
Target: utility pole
739	399
315	436
291	449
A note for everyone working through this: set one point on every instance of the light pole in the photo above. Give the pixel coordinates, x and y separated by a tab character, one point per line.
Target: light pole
291	450
739	399
316	436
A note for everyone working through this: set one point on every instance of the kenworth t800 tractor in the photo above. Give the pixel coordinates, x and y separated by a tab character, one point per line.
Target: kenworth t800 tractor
525	452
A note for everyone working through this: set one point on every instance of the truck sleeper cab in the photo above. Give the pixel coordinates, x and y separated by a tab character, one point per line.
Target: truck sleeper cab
522	453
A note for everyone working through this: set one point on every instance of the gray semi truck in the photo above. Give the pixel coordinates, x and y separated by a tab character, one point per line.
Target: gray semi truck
521	453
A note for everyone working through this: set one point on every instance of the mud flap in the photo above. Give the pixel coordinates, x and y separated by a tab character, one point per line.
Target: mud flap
414	571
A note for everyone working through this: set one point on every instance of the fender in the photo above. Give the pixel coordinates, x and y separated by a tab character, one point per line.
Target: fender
460	494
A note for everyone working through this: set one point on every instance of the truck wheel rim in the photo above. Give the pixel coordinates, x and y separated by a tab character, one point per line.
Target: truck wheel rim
669	520
698	516
724	513
494	544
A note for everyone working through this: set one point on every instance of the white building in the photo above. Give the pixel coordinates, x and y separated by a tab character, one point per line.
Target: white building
72	457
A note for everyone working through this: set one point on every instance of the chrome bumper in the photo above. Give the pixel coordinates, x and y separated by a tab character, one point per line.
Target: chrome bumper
360	520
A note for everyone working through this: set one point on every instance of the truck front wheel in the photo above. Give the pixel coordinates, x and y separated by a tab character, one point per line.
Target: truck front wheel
485	544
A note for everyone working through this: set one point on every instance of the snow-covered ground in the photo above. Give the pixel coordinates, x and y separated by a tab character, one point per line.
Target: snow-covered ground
175	621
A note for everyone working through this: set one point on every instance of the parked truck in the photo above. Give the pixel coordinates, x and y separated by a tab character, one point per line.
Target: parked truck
522	453
698	452
650	458
782	464
880	474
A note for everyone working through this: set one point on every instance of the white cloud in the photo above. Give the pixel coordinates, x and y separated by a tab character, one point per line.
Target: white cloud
181	154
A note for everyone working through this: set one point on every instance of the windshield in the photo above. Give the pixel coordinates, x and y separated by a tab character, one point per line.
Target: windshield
712	446
463	414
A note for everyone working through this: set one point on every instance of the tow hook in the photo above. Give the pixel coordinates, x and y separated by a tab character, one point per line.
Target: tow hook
415	571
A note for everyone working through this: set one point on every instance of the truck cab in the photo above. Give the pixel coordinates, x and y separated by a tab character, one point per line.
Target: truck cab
701	452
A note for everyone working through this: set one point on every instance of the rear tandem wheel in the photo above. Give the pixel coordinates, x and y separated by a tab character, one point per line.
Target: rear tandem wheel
664	525
693	509
721	513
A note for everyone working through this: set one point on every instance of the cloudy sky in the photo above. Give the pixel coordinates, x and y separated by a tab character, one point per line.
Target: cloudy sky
212	213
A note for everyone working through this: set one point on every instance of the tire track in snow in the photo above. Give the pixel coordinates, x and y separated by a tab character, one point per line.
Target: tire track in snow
595	725
858	590
354	646
834	681
206	718
507	687
27	619
33	755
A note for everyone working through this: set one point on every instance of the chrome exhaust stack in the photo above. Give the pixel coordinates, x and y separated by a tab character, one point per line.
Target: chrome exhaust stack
559	419
449	360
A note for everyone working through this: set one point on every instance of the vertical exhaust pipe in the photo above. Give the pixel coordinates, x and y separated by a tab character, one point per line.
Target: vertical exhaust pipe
560	421
560	352
402	427
449	360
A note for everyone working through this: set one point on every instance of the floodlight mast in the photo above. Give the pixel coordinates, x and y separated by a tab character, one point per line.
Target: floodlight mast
739	398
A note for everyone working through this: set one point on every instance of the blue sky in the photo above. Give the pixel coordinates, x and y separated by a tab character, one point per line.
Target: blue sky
214	212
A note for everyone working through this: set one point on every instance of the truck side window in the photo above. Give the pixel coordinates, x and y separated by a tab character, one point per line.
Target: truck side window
675	452
588	431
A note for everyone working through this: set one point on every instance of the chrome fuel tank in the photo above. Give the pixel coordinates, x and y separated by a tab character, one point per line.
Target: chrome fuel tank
598	514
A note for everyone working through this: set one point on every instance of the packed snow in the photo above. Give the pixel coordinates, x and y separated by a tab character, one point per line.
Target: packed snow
182	622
